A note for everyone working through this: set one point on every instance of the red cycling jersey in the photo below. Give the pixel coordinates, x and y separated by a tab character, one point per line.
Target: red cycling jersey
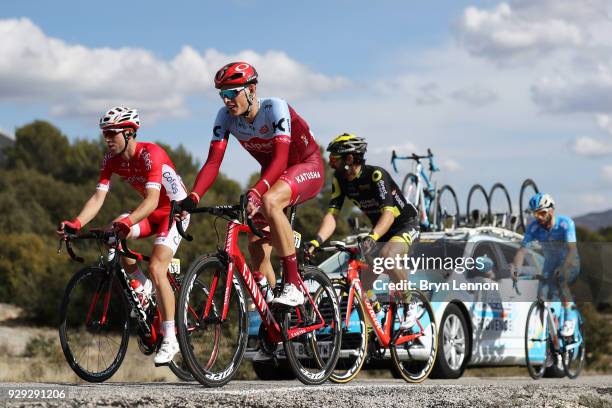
278	139
150	167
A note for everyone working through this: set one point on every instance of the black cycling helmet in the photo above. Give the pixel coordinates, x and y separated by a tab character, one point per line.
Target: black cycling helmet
347	143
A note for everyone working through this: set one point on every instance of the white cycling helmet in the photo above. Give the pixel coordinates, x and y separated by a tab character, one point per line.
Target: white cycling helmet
541	201
119	118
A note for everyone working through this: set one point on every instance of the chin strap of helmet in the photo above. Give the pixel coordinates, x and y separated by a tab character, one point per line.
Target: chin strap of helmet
126	137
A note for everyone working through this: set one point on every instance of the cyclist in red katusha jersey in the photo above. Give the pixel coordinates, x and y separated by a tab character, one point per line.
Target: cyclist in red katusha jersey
147	168
291	168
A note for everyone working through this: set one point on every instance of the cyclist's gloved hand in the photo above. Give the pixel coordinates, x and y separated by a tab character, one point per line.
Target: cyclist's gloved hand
122	227
253	203
68	227
189	203
310	246
369	243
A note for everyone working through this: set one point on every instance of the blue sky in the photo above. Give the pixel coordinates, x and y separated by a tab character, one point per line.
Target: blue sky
499	91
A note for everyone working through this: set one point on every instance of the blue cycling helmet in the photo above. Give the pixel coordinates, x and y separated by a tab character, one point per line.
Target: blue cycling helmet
541	201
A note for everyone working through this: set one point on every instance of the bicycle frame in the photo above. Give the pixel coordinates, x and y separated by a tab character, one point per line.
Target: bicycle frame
237	262
383	333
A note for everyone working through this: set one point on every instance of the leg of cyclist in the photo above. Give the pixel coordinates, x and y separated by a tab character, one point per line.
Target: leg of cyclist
397	247
164	248
297	184
260	250
567	277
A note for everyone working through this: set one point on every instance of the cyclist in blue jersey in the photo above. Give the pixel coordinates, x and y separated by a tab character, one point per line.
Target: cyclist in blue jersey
557	237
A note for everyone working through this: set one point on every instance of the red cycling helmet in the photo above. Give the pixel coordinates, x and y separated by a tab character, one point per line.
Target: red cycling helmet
235	73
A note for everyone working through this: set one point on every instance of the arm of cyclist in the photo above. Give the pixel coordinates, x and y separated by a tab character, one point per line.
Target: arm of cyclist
383	225
517	262
326	229
144	209
570	260
88	212
270	175
207	175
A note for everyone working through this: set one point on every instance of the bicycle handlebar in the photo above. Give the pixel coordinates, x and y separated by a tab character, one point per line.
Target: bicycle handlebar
235	212
416	158
110	237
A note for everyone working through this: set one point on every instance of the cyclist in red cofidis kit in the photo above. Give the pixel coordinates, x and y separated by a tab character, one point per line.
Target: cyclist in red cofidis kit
149	170
292	169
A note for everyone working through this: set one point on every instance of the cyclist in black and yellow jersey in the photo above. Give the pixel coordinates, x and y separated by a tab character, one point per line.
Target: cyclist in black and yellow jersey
394	220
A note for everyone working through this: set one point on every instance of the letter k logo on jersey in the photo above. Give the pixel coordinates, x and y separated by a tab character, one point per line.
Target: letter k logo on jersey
279	125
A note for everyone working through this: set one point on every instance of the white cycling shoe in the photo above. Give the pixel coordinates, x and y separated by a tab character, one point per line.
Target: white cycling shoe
410	316
568	328
291	296
166	352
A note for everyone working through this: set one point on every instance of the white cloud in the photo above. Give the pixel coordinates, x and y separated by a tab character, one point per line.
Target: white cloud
8	134
515	29
590	147
604	122
75	80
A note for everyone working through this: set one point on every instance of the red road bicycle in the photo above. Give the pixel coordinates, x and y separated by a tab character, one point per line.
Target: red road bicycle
213	340
95	313
413	351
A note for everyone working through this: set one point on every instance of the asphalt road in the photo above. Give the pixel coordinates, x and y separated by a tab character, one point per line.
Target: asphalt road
586	391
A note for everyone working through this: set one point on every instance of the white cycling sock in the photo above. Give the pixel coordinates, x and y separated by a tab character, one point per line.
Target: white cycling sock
138	274
168	330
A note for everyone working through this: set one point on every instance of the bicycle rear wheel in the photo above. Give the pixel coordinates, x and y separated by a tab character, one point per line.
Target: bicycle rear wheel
528	190
212	348
537	341
447	209
475	215
414	359
354	345
575	350
94	324
313	355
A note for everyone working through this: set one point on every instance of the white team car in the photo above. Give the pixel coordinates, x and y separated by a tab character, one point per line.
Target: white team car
483	327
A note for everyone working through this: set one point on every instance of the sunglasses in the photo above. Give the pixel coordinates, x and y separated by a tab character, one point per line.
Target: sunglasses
541	213
111	132
231	93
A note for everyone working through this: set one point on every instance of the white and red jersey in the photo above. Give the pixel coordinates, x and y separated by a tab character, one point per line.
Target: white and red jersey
150	167
278	138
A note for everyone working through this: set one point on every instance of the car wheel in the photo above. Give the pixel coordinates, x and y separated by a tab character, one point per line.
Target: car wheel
454	344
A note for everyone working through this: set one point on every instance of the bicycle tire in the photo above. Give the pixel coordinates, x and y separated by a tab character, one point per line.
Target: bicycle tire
178	365
533	337
355	344
500	186
314	368
213	350
568	354
523	208
475	188
76	304
410	179
440	224
410	369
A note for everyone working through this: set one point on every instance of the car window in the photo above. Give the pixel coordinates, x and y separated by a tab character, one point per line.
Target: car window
335	263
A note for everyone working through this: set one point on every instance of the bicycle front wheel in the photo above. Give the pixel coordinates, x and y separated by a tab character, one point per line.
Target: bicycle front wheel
537	341
575	350
94	324
447	209
354	345
413	351
211	346
313	355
